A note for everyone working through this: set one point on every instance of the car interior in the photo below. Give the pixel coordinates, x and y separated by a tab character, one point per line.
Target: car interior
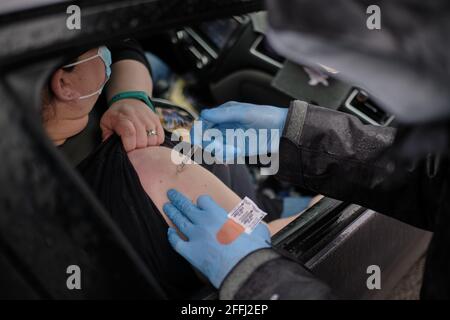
218	54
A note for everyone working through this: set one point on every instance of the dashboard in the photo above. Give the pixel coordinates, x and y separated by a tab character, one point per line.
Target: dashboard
220	31
205	47
233	60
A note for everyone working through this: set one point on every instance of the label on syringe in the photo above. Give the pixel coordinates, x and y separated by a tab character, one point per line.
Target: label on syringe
247	214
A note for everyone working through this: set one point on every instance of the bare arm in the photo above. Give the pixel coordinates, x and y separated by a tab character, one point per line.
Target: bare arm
158	174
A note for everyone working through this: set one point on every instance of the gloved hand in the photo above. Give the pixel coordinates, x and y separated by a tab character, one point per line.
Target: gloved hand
236	115
200	223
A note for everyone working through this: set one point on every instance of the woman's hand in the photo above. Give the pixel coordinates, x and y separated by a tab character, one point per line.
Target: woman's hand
133	121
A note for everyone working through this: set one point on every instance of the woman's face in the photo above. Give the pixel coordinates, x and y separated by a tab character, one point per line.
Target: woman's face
73	95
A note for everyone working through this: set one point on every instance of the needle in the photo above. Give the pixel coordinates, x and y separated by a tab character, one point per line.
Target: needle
186	159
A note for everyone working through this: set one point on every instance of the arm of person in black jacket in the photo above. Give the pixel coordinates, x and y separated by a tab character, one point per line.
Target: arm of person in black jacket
335	154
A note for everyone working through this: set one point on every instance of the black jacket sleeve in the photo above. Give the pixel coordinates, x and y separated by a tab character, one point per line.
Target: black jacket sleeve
267	275
334	154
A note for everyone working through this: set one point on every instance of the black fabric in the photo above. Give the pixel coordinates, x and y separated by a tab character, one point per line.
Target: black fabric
272	206
78	147
115	182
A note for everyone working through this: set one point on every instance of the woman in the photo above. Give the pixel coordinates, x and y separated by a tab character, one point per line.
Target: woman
131	178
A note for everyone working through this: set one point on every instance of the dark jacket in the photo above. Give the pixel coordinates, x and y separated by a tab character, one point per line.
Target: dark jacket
334	154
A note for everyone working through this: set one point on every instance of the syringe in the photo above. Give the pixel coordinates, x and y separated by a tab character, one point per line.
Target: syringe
186	158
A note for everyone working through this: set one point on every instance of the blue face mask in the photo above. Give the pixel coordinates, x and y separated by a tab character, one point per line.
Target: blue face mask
104	54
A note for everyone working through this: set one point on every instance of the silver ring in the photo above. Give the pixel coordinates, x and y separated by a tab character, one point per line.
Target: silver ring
151	133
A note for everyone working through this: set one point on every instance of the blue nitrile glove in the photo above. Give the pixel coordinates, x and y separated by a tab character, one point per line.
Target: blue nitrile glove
200	224
245	116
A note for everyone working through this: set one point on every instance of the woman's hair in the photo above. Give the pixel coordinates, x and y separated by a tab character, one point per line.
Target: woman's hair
47	108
